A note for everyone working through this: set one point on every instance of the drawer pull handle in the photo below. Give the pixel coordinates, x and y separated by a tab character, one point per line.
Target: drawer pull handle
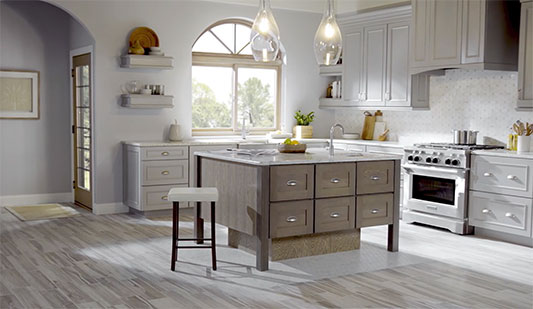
291	183
509	215
431	207
164	198
335	215
164	173
511	177
486	211
164	153
487	174
335	180
291	219
375	178
374	211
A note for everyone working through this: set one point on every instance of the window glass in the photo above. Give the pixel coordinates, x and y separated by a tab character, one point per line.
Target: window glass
226	33
257	96
207	43
212	96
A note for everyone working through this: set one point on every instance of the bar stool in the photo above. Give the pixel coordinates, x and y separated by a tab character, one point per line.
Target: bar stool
177	195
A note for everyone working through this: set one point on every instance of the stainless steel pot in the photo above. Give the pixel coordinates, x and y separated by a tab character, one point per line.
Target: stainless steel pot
464	137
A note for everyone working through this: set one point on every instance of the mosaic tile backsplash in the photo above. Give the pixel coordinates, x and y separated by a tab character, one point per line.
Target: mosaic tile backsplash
461	99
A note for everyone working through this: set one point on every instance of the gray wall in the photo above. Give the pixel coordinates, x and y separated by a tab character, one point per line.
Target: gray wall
35	155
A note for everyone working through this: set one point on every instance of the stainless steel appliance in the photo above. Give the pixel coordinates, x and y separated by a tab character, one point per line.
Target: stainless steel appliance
436	185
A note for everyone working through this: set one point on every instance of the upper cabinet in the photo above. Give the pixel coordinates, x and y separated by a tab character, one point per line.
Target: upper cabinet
525	57
480	34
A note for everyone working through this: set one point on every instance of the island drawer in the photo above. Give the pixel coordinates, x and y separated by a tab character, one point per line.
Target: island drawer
335	180
500	212
165	172
374	209
334	214
502	175
294	182
375	177
291	218
165	153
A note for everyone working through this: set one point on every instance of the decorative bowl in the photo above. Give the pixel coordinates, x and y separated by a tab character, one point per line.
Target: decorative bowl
284	148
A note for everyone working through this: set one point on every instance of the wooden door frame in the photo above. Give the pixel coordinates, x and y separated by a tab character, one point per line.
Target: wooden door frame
73	53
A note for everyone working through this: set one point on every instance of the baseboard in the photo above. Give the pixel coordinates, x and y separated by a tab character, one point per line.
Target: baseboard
110	208
26	199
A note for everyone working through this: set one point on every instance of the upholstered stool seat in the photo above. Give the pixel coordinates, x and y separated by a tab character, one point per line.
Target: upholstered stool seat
178	195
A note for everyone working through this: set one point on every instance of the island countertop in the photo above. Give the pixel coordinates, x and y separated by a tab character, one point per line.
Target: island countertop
311	156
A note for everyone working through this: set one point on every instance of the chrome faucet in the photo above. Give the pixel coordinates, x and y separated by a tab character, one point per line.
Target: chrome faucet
331	132
243	130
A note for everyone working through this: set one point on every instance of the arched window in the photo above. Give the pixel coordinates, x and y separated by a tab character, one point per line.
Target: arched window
229	86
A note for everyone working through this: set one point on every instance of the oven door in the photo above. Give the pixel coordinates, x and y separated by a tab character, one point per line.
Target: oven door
436	190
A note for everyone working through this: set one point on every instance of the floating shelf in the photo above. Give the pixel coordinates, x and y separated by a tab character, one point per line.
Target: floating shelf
331	70
147	101
146	62
330	102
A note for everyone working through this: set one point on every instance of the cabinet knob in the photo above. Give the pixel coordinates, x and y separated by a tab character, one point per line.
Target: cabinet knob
291	183
511	177
509	215
486	211
487	174
375	178
374	211
291	219
164	153
335	180
164	173
334	214
164	198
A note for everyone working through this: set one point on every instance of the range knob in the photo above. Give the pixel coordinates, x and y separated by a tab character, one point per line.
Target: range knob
455	162
410	158
448	161
428	160
416	158
435	160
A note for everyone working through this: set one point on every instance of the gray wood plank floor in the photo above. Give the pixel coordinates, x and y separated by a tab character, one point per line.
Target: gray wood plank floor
122	261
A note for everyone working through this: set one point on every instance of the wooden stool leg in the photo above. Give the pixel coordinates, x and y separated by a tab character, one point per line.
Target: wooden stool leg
175	224
213	237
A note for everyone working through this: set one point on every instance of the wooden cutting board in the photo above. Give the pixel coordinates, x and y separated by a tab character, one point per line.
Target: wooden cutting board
368	128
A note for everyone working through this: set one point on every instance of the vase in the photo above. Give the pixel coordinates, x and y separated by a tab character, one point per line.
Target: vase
523	144
302	131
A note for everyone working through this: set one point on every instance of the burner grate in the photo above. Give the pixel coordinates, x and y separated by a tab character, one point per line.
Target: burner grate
458	147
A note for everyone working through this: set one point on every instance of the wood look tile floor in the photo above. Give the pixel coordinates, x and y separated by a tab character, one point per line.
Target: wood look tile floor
119	261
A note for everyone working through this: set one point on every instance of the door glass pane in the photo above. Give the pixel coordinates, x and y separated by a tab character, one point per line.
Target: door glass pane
257	96
432	189
82	96
84	179
84	138
82	75
84	158
83	118
212	93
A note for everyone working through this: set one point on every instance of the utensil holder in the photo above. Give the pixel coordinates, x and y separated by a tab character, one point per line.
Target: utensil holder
523	144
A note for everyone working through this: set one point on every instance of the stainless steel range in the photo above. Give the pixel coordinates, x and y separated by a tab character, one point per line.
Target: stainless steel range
436	185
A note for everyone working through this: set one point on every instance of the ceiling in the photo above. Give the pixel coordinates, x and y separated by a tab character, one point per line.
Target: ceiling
317	6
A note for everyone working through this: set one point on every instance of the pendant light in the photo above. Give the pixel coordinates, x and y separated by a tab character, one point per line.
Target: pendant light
328	39
264	38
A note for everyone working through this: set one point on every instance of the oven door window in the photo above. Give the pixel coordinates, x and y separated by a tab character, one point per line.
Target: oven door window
432	189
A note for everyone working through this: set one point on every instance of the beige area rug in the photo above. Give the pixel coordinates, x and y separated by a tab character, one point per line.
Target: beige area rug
42	211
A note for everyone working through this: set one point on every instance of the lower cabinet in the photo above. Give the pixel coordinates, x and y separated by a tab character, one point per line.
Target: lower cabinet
501	213
156	197
291	218
375	209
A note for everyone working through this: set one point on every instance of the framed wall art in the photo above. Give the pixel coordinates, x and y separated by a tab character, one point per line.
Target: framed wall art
19	94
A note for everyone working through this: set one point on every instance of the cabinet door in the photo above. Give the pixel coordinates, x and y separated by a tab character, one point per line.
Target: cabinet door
525	57
374	57
445	26
398	79
473	37
353	62
419	33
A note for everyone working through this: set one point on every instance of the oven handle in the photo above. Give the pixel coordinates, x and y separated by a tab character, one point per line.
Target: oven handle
411	167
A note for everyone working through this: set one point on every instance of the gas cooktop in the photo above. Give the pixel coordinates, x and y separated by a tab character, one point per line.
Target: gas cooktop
456	146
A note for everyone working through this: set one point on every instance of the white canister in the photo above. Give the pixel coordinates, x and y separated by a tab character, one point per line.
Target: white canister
174	132
523	144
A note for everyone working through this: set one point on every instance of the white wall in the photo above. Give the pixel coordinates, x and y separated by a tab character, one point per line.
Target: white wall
177	24
35	154
462	99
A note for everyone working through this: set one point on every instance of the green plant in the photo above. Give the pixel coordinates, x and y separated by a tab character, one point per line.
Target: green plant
302	119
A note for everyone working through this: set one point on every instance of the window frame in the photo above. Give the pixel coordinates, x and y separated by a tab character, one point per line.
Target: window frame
236	61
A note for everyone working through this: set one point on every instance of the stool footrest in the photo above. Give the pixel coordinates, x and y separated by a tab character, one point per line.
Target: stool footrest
196	239
194	247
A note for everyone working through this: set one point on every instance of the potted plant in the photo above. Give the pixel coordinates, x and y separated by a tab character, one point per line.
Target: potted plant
303	129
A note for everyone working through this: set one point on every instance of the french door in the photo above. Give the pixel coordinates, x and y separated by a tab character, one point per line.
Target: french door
81	86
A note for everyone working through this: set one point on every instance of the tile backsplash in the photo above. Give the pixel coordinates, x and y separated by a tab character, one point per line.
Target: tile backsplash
461	99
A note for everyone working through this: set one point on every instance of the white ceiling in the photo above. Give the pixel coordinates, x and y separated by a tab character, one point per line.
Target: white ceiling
317	6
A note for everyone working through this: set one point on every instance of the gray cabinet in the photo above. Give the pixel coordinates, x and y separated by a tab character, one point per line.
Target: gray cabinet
476	34
525	57
353	65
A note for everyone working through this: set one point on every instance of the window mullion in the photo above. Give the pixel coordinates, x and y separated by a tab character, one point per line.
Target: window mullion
235	98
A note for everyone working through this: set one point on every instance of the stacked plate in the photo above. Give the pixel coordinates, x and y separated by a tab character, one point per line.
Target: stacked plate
155	51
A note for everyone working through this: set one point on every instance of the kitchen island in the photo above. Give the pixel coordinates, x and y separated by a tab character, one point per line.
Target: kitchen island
291	205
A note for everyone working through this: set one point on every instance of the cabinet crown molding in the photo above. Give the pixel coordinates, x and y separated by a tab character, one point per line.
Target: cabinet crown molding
389	14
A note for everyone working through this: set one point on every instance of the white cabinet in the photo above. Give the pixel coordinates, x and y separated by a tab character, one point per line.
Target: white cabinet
353	65
374	58
525	57
398	80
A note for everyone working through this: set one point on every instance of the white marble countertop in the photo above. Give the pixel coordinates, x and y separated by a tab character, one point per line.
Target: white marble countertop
504	153
312	156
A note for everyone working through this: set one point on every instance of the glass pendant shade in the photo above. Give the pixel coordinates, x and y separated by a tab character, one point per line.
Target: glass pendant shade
264	38
328	39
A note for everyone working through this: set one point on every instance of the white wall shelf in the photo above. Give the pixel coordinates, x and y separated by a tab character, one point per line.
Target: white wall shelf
331	70
147	101
146	62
